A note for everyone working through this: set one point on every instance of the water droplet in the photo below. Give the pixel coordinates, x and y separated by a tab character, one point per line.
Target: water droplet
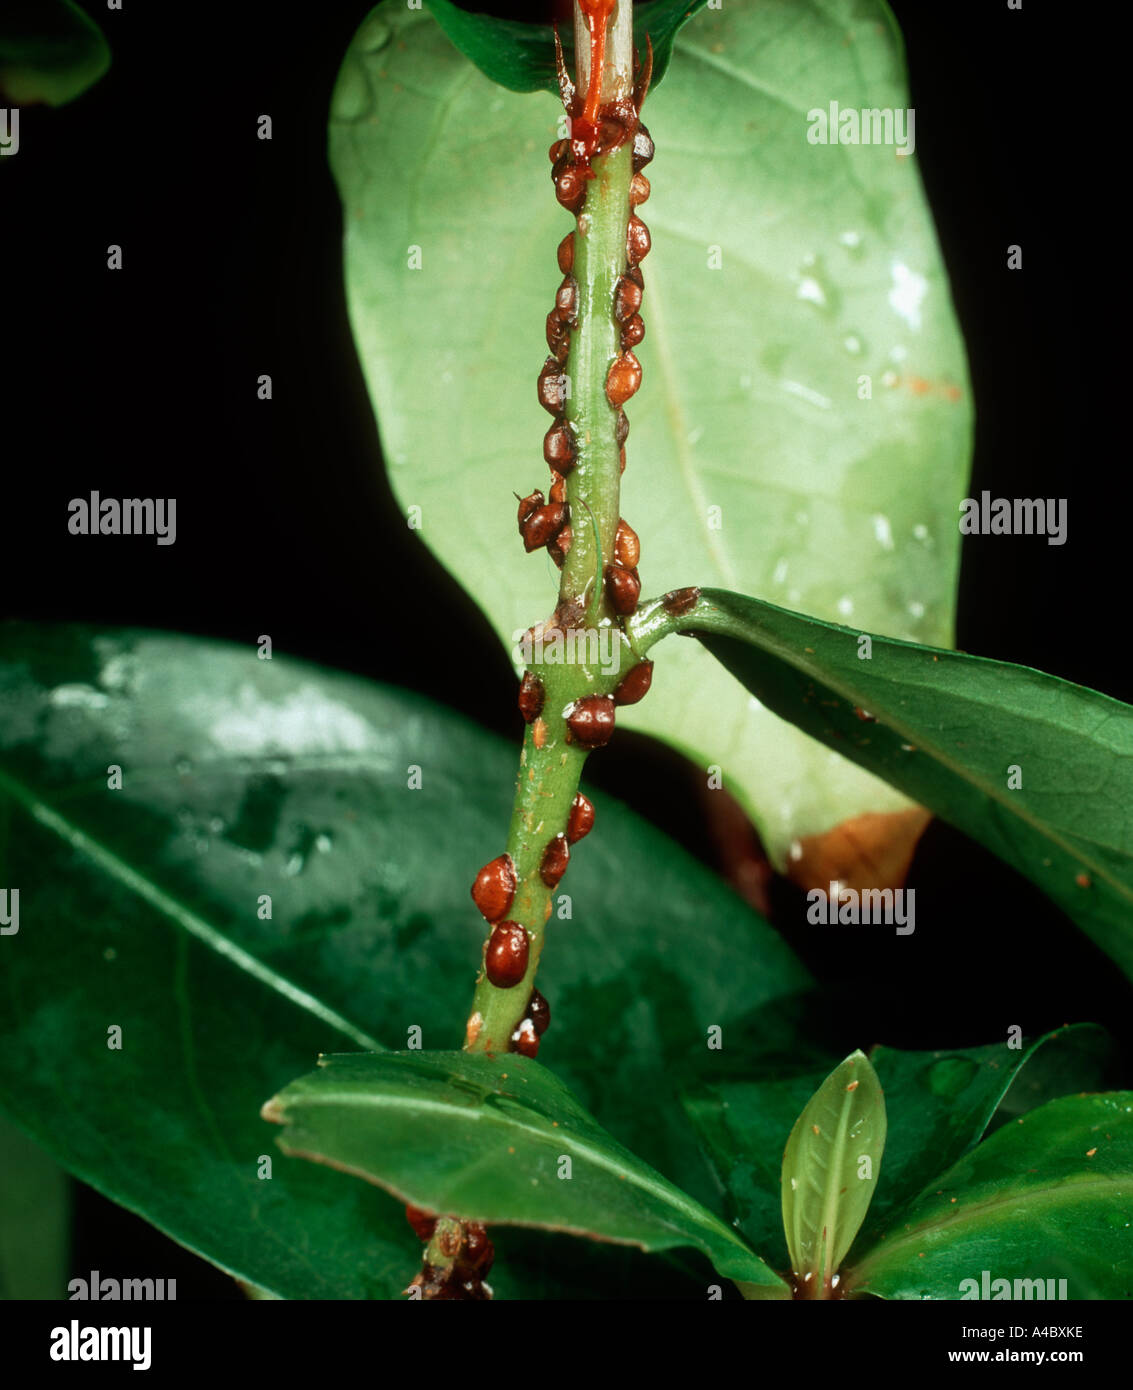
323	843
916	608
920	531
853	344
845	605
810	290
907	294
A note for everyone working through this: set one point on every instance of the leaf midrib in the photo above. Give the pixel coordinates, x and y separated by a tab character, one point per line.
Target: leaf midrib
1058	1193
774	646
633	1171
175	911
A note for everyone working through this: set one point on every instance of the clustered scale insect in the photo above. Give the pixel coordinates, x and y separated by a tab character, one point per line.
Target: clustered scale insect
468	1255
595	129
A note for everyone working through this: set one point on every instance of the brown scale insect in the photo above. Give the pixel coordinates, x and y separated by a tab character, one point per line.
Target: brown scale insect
559	448
566	300
634	685
539	1012
633	332
494	889
627	299
643	149
477	1253
621	461
531	697
559	548
423	1222
580	821
558	337
633	273
570	188
558	488
551	387
624	588
559	150
623	379
565	253
627	547
531	503
638	240
621	428
543	525
679	601
525	1040
638	190
591	721
555	859
505	958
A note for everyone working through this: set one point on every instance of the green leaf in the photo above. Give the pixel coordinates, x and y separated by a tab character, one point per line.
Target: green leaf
50	51
35	1210
143	908
939	1104
521	57
1035	769
498	1140
830	270
830	1170
1049	1196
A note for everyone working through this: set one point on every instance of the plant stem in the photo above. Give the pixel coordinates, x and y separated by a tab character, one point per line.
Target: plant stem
550	767
595	480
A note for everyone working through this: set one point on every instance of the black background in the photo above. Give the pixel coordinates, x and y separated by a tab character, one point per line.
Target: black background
143	384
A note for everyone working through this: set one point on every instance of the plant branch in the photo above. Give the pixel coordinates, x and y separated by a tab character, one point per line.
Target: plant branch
568	698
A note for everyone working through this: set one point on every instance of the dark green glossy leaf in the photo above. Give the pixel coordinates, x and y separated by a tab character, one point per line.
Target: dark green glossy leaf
830	1169
498	1140
1037	770
35	1211
521	57
941	1103
50	51
1049	1196
142	907
938	1104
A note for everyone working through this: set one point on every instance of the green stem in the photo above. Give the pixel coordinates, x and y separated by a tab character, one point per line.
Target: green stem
548	779
550	768
599	262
